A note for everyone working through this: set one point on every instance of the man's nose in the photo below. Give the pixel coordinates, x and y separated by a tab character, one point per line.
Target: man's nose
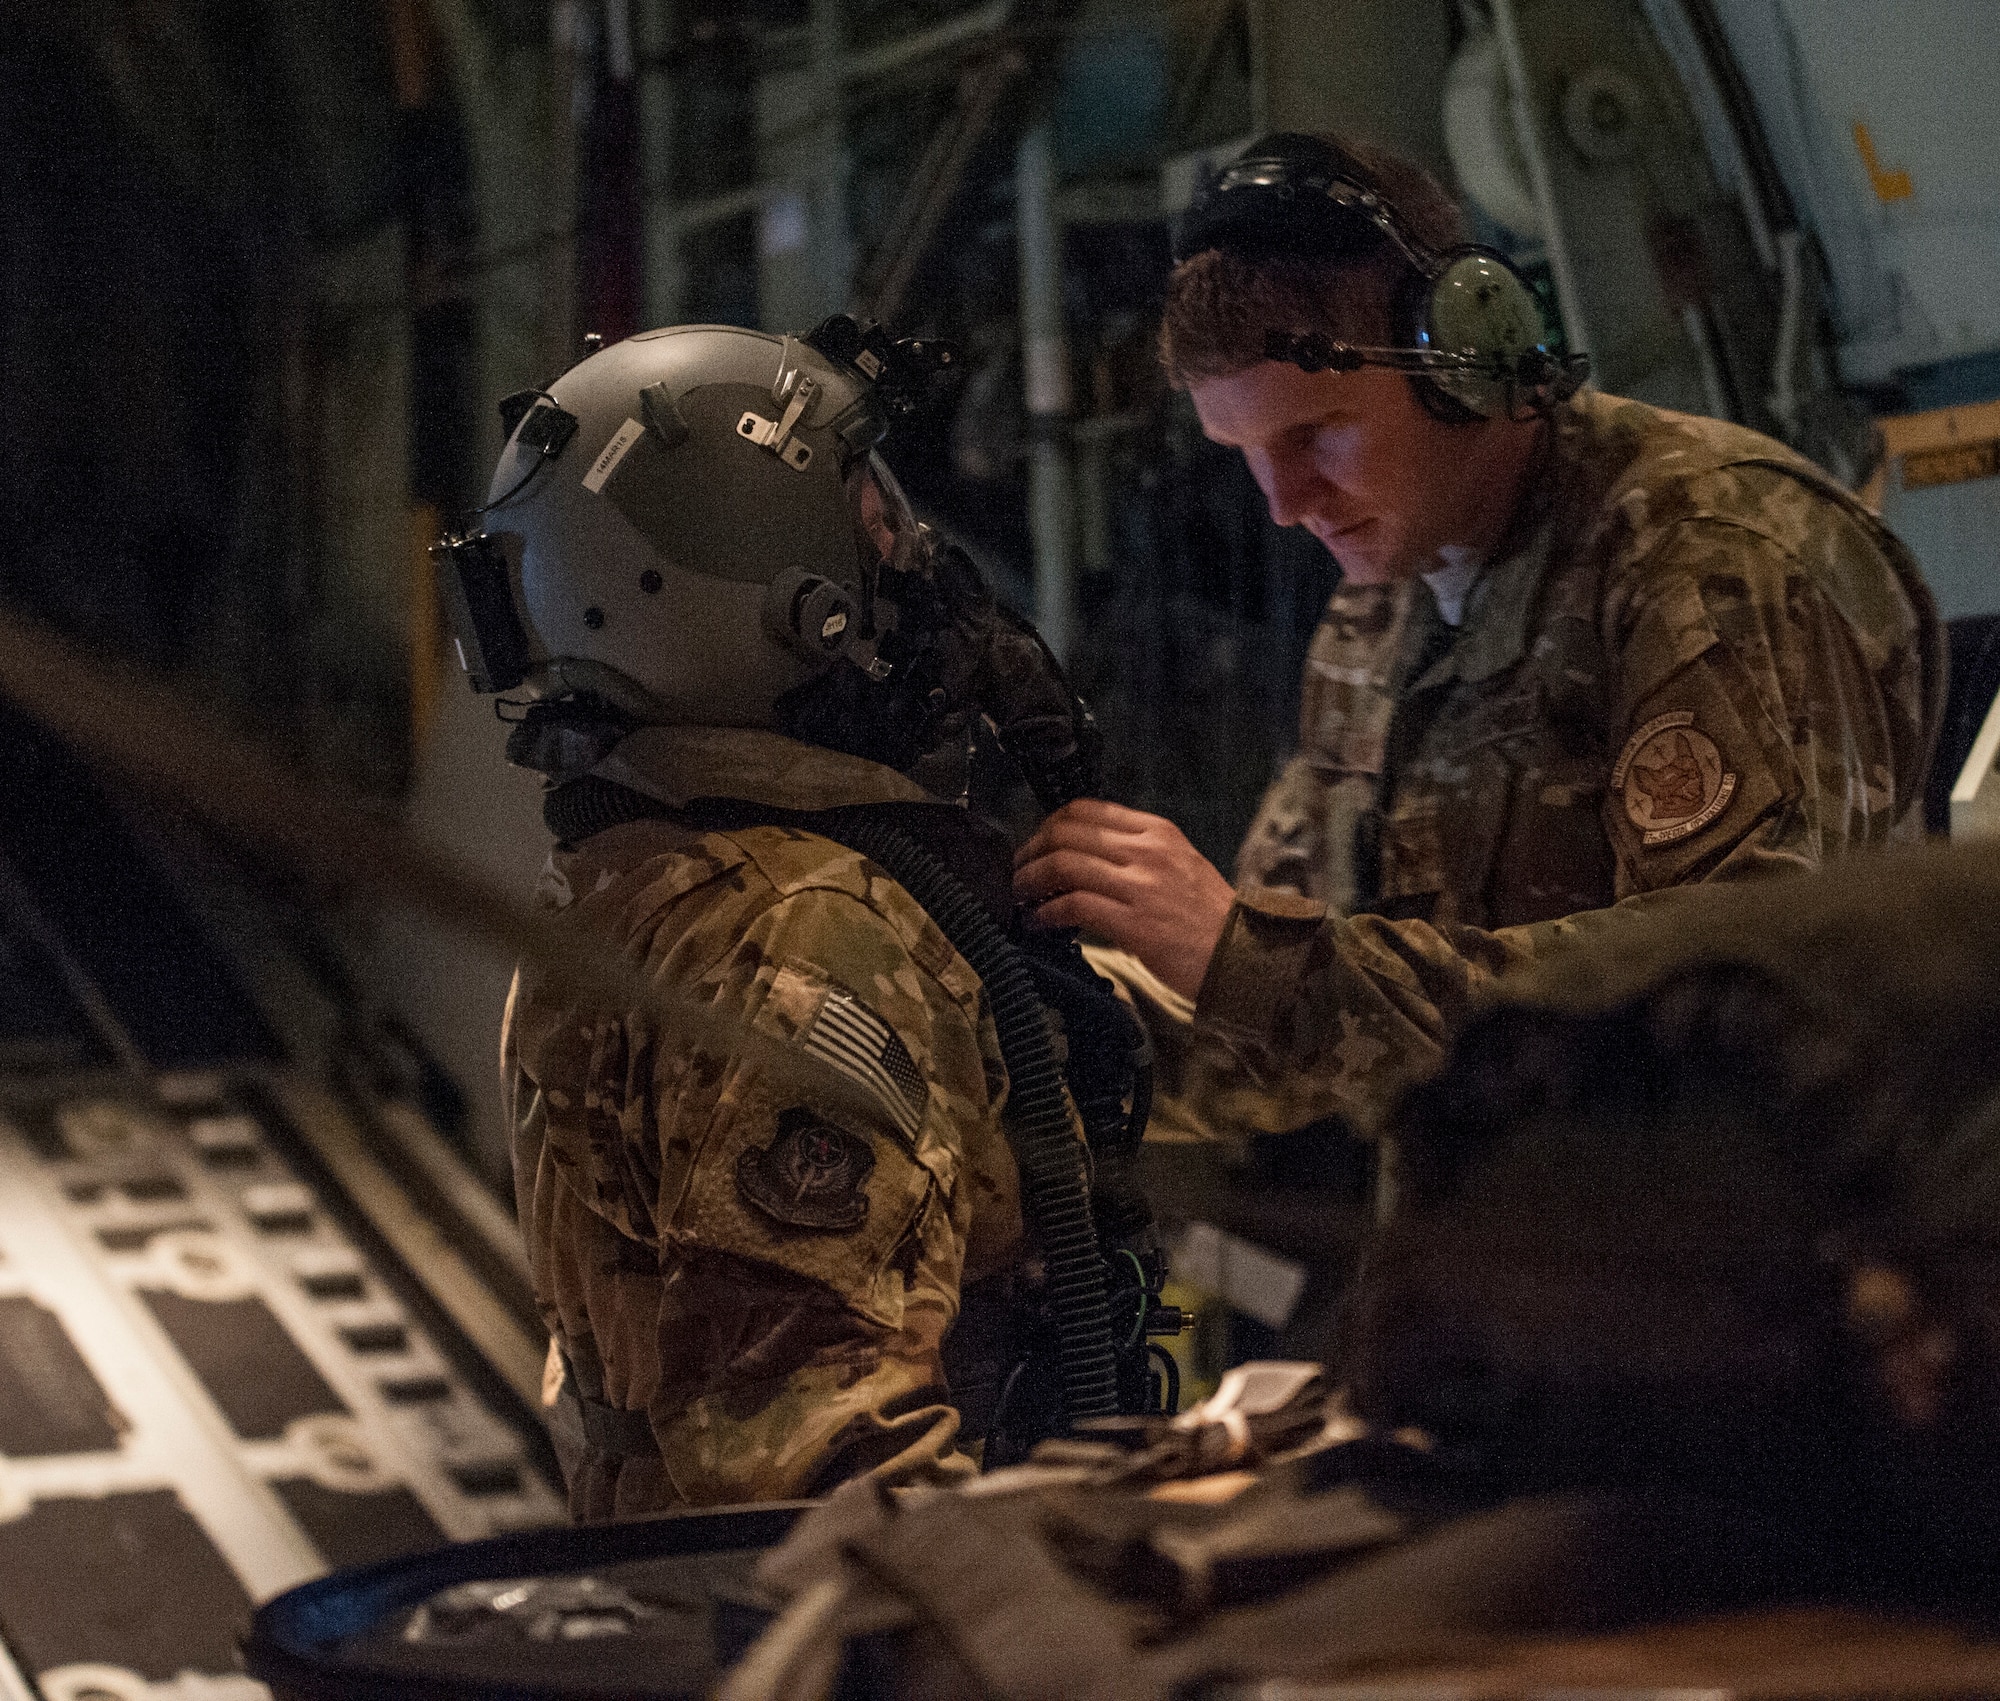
1292	488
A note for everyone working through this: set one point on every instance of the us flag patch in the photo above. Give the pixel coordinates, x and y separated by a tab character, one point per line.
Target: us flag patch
854	1040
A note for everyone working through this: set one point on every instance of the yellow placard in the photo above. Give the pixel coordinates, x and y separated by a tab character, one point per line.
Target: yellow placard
1958	463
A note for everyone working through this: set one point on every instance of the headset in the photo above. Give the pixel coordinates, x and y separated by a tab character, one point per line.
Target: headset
1468	328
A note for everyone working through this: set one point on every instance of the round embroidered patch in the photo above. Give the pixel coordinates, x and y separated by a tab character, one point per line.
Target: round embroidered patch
1671	778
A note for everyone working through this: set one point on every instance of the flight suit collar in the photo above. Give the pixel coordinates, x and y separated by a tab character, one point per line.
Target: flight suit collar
1501	608
675	765
1500	625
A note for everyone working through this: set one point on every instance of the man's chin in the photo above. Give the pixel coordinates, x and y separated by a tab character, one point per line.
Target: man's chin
1360	566
1362	557
1355	572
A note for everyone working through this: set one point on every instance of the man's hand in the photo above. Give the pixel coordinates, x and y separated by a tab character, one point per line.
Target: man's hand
1132	879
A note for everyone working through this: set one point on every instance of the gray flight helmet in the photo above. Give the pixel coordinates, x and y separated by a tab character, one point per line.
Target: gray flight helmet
688	525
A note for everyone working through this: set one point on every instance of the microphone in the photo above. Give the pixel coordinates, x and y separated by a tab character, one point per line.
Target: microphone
1545	377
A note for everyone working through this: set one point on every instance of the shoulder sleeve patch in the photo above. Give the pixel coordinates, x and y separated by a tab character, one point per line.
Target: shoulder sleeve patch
811	1175
850	1038
1671	779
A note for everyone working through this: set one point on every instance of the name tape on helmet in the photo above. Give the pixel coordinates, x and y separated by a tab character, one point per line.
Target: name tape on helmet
615	451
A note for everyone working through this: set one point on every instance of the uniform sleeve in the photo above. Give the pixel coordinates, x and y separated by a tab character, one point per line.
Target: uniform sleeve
794	1205
1305	1015
1772	711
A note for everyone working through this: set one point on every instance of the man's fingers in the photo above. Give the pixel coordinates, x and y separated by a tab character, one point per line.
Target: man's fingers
1133	880
1079	839
1109	830
1060	871
1090	910
1101	812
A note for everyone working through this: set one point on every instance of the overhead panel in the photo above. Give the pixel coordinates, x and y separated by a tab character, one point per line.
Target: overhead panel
1885	127
1671	285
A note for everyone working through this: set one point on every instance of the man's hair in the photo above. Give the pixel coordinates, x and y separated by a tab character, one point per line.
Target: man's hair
1220	304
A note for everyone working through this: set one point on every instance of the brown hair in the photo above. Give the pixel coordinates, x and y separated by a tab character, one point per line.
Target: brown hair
1221	304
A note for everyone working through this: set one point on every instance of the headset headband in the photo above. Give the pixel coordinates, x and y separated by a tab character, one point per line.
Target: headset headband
1471	334
1293	194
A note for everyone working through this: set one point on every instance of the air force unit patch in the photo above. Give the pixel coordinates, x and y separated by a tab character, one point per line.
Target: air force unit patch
810	1176
812	1173
1671	779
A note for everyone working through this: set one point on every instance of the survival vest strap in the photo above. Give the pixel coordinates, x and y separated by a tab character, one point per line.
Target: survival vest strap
1080	1217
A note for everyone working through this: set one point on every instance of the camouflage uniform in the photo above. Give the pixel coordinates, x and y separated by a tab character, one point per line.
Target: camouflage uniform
760	1248
1696	658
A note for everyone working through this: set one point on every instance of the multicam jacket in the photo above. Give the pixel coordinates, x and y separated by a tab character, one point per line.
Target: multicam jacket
755	1232
1698	659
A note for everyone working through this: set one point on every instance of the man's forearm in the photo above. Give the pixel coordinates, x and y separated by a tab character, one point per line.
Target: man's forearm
1313	1015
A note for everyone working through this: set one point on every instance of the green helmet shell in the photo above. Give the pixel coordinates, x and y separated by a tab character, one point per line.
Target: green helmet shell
706	506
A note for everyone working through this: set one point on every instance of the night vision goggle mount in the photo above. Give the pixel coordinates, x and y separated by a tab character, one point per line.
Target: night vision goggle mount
479	600
900	369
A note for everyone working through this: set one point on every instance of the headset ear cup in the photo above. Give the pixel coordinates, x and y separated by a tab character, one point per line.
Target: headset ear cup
1478	302
1409	327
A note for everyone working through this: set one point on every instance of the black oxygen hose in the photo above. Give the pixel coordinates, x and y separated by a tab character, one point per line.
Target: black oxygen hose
1054	1190
1107	1057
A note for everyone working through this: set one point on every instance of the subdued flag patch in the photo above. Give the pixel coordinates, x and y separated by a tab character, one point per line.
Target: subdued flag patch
854	1040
